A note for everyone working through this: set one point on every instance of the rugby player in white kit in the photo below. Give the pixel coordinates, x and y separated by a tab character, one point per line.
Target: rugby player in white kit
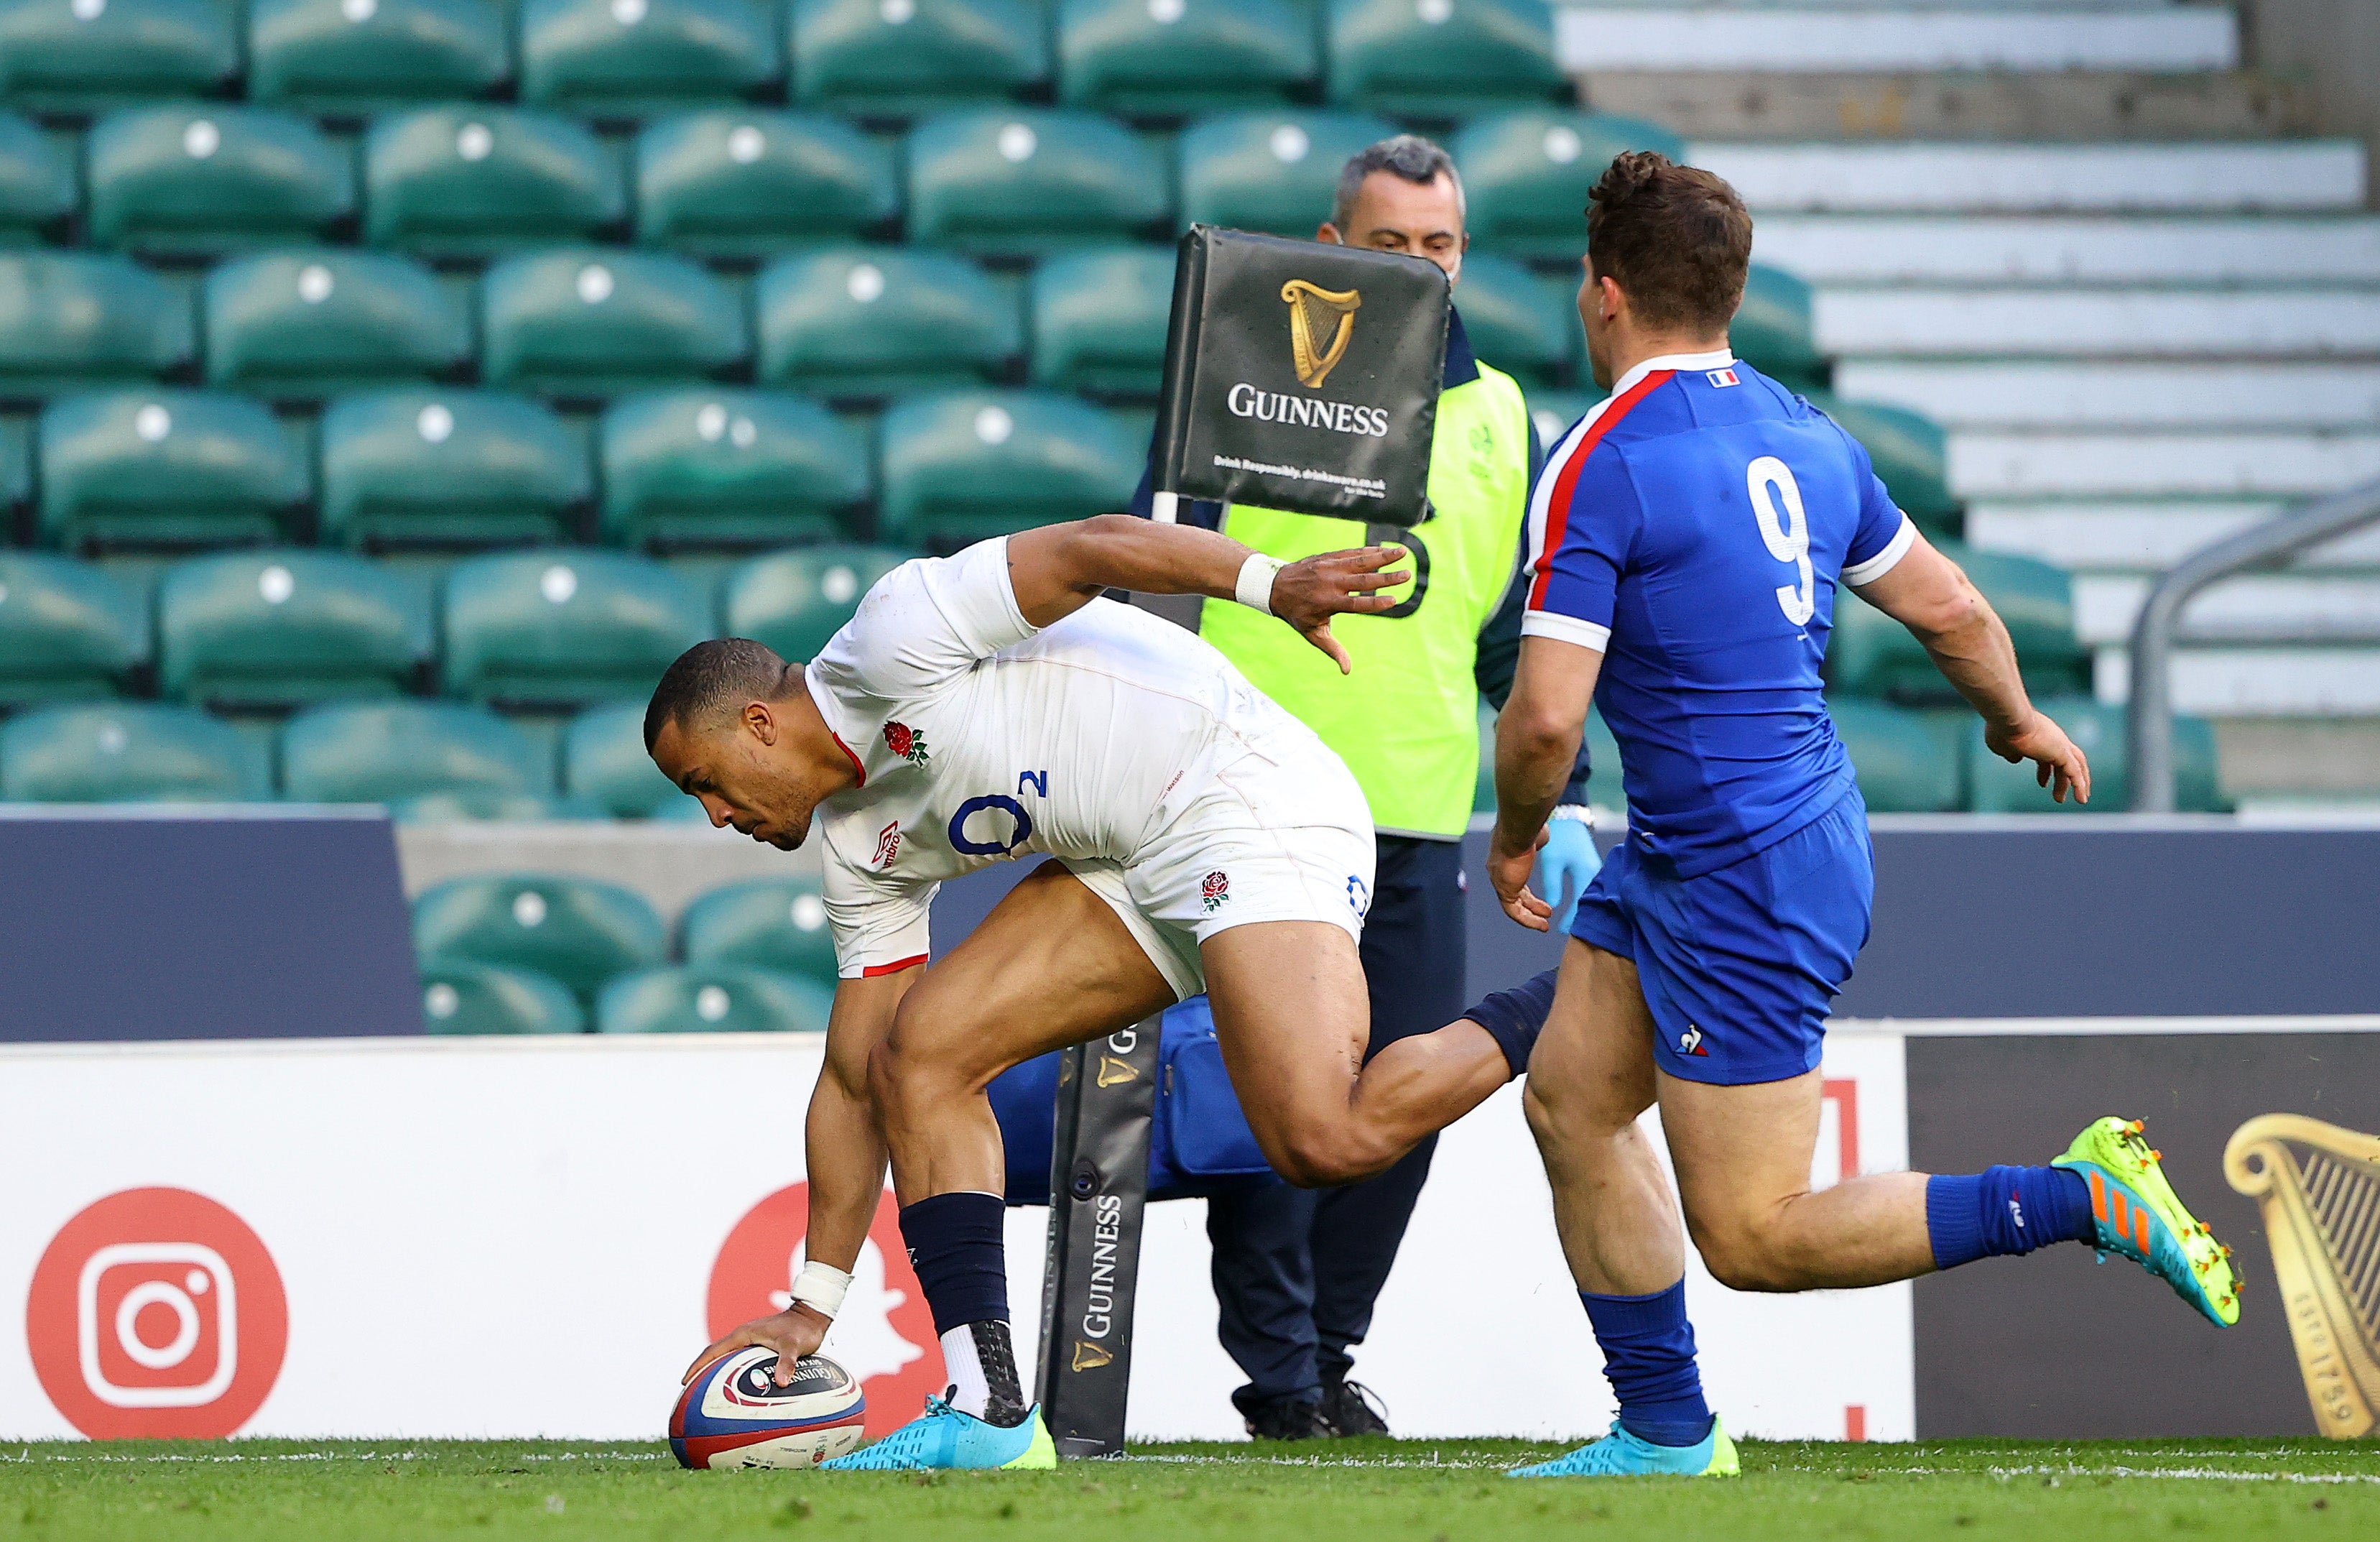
990	705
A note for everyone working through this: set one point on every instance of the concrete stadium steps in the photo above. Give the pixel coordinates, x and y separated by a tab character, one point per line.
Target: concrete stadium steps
2143	536
2297	176
1985	465
2057	393
2309	609
2283	682
2189	250
2113	322
2171	39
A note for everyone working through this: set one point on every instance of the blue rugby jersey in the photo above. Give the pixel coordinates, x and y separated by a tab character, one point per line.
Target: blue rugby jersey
1693	528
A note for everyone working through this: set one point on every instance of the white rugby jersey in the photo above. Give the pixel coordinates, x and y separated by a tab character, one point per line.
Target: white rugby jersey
979	738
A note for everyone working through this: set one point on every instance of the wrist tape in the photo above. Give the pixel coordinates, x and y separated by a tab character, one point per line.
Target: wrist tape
1254	587
821	1287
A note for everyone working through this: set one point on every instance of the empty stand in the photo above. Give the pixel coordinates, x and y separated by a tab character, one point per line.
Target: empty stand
575	930
1442	58
862	321
1907	763
1166	56
1275	171
37	181
1030	179
351	56
604	763
904	55
566	627
1871	654
1908	453
129	752
794	600
712	997
475	179
70	321
1523	325
771	923
212	177
448	468
744	182
165	468
304	323
1994	787
587	321
383	752
729	469
628	56
1098	320
281	627
1773	329
1527	172
81	53
67	630
963	464
460	997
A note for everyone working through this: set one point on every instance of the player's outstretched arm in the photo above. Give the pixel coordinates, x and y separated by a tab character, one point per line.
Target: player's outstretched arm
1058	569
1927	593
1536	744
845	1145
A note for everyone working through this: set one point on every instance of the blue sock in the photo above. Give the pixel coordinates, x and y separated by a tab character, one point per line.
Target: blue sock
1514	1018
1648	1354
955	1244
2003	1211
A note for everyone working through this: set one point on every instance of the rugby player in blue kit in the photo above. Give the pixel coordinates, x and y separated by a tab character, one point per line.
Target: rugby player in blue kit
1689	535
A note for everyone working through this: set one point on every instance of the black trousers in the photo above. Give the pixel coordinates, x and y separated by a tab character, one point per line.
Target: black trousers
1296	1271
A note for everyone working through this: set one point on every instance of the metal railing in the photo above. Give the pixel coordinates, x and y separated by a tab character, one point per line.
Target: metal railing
2151	713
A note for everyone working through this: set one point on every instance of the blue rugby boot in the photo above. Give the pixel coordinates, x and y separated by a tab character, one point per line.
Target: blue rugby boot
1620	1455
944	1438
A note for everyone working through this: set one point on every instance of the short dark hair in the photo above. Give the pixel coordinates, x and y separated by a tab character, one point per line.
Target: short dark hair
713	679
1676	240
1407	156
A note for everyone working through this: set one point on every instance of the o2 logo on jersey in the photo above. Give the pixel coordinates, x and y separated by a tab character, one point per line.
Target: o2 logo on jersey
1020	826
1786	534
1359	896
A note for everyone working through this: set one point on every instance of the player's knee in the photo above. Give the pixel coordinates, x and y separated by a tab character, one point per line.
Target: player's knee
898	1077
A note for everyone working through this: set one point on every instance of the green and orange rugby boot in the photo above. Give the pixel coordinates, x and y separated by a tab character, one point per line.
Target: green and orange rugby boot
2135	1212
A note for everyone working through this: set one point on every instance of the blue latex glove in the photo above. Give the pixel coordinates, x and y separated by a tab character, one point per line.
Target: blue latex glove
1566	863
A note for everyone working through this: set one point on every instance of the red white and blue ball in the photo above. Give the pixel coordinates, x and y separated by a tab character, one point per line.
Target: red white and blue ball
734	1415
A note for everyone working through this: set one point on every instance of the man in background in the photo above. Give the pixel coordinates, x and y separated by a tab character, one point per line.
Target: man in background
1297	1271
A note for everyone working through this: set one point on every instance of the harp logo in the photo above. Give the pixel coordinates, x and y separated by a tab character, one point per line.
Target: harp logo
2319	1186
1320	322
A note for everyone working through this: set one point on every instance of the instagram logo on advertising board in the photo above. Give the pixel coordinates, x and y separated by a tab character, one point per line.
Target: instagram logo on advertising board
156	1313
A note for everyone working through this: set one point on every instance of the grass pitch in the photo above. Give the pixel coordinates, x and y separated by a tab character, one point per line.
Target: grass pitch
1375	1491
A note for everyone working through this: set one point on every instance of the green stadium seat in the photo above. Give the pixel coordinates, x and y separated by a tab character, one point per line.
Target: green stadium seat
129	752
165	468
1164	57
70	321
345	55
203	178
1275	171
587	322
1098	320
1994	787
1523	324
306	324
614	55
465	805
604	763
865	322
386	752
910	55
37	182
57	54
959	465
750	183
278	628
794	600
468	180
575	930
1030	179
1771	329
1552	412
728	469
567	625
460	997
769	924
68	631
1907	763
712	997
1441	59
1525	174
1871	654
1910	453
424	467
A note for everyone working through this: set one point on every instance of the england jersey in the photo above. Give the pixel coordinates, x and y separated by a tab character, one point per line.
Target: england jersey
1693	528
1102	739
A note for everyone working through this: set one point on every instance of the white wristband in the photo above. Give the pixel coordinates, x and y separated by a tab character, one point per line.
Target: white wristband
1254	587
1577	812
821	1287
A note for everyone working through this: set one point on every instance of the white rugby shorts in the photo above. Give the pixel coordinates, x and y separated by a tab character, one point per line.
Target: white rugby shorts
1286	839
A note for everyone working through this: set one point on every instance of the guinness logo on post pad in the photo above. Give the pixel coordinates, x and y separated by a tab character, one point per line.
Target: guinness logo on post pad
1314	313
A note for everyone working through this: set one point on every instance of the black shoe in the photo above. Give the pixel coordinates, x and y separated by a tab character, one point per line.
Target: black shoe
1288	1419
1352	1408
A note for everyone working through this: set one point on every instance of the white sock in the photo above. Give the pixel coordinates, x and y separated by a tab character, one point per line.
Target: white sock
970	1393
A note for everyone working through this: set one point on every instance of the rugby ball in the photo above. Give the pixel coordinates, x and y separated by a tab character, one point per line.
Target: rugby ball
734	1415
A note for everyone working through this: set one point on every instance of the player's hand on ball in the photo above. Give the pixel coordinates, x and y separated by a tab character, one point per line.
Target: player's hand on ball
1307	594
1508	870
792	1333
2058	762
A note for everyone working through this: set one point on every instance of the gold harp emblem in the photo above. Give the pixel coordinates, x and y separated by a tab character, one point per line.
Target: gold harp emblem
1317	313
2319	1186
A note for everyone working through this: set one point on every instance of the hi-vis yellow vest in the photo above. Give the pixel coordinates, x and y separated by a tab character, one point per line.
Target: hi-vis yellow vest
1406	721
